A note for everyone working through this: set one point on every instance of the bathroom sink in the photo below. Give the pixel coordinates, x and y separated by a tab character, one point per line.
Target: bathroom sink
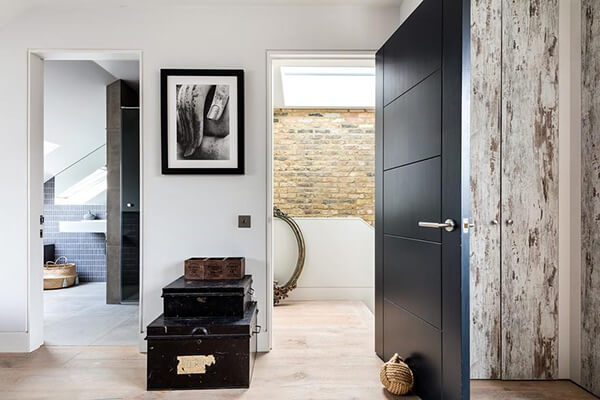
91	226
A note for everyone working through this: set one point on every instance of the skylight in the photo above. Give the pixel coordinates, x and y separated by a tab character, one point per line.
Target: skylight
84	190
49	147
332	87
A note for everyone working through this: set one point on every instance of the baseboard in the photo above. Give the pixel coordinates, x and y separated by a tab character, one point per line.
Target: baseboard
142	343
15	342
263	345
364	294
584	388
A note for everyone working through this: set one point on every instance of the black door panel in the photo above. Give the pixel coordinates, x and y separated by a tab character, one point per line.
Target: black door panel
421	174
412	277
411	194
414	124
414	51
419	343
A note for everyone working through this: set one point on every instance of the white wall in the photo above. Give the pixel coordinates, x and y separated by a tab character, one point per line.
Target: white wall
407	7
340	259
569	237
182	216
74	111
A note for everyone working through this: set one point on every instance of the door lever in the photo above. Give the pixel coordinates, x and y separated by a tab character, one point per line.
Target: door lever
449	225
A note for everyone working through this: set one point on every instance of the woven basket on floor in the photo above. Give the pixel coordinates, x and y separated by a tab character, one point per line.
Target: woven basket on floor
58	276
396	376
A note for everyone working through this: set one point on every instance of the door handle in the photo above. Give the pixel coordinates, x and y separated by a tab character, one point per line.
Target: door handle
449	225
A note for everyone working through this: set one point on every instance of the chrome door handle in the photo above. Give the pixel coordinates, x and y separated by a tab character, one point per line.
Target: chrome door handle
449	225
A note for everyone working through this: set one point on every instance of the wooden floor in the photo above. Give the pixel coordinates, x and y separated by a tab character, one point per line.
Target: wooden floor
515	390
322	350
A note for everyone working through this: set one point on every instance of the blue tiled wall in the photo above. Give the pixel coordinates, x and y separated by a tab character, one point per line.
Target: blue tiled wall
86	250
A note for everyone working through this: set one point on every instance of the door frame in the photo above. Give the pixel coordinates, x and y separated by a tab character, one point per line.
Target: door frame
35	300
466	222
271	56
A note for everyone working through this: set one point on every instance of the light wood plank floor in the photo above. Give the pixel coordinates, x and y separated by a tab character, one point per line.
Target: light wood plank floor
322	350
516	390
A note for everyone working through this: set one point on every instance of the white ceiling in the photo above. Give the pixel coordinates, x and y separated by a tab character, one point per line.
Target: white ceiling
170	3
10	9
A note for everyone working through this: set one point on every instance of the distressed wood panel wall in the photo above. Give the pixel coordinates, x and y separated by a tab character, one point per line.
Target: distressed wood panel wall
530	189
590	196
486	58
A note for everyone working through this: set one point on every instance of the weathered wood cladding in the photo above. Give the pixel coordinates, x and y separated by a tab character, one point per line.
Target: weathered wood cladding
486	56
514	164
590	195
530	189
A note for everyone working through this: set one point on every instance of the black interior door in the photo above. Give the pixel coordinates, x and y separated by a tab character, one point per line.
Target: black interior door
422	282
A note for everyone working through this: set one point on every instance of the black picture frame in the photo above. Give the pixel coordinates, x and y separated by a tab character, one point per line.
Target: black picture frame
164	75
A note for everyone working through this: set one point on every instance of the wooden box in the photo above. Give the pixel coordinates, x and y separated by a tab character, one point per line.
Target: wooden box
208	268
192	299
202	353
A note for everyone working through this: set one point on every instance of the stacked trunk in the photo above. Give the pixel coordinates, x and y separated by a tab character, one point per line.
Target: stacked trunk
206	338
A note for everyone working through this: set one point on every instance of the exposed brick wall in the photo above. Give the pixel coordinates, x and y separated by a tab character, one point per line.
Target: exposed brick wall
324	162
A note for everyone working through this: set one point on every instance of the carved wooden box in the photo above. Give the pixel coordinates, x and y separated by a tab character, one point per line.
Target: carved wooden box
208	268
191	299
202	353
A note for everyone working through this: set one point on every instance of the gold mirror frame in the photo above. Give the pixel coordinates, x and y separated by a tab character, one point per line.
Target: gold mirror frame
281	292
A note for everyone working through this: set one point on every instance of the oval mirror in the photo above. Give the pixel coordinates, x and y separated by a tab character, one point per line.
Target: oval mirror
281	292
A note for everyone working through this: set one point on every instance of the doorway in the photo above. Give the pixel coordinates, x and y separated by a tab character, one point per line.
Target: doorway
321	150
85	117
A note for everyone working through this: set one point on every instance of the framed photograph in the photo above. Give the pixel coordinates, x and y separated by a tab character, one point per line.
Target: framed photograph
202	118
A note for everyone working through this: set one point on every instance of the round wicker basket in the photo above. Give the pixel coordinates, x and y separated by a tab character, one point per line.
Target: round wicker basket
396	376
58	276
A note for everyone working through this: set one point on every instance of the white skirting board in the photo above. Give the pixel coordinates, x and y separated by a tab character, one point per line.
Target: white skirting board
366	294
15	342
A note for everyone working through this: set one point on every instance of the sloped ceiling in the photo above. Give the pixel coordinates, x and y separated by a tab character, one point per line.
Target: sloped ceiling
127	70
74	111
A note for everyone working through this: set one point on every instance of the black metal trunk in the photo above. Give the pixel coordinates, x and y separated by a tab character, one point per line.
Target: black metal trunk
216	298
202	353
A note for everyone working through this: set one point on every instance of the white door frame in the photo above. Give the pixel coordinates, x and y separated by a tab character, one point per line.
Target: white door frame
271	56
35	136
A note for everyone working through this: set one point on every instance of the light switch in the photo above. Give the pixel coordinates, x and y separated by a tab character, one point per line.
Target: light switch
243	221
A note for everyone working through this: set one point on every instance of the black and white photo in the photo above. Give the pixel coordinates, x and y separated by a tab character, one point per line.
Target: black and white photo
202	121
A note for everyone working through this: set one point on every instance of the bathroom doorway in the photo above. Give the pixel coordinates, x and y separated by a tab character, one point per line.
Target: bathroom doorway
90	225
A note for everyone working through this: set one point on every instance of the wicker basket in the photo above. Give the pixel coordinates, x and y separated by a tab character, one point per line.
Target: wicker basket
59	275
396	376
